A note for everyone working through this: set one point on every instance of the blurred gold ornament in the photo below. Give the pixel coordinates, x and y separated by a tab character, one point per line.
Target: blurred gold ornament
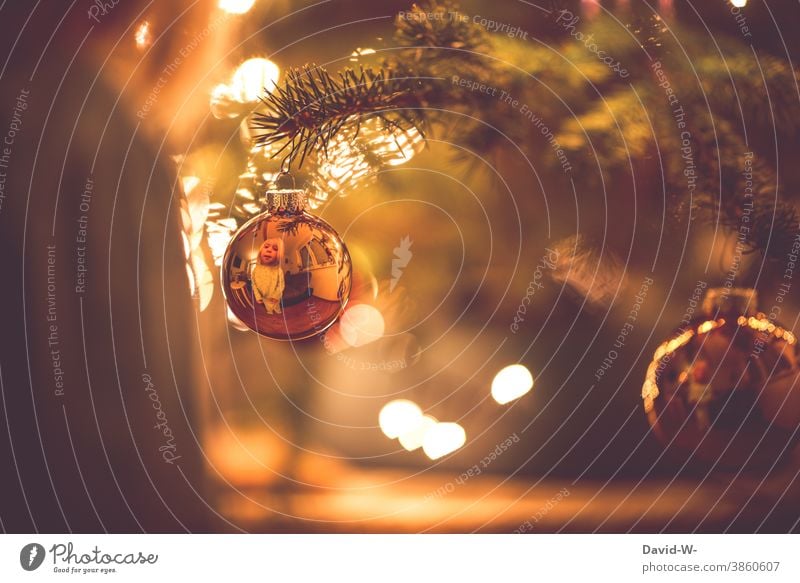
286	274
723	391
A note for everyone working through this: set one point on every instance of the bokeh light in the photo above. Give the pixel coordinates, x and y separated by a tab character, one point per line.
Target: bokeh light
443	438
362	324
511	383
222	102
143	36
253	77
399	417
236	6
414	438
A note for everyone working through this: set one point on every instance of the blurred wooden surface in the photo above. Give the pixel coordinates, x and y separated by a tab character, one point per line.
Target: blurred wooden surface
379	501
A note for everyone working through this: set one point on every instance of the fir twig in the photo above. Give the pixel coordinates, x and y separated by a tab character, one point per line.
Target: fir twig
312	107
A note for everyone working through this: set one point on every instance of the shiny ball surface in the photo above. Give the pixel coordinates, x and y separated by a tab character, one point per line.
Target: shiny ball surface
286	275
723	393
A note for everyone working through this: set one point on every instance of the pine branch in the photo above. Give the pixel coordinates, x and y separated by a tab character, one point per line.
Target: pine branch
313	106
434	27
313	110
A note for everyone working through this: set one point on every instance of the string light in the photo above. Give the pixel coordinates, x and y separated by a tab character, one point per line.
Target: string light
511	383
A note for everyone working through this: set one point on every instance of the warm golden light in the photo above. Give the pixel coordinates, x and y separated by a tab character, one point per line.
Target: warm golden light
189	183
760	323
253	77
399	417
222	102
709	325
443	438
246	455
650	388
511	383
219	232
359	52
414	438
190	275
671	346
739	3
361	324
143	36
236	6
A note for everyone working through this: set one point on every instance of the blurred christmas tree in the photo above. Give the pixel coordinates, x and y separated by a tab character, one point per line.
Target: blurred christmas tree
685	104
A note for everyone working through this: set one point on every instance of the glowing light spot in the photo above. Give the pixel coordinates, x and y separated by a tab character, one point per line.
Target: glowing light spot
414	438
143	36
399	417
236	6
253	78
190	275
222	102
739	3
709	325
511	383
359	52
189	183
443	438
361	325
187	246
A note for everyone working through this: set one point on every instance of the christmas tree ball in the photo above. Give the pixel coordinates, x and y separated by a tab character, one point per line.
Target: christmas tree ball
286	274
723	391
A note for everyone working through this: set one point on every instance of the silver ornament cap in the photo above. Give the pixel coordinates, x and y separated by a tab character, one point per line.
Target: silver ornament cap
288	200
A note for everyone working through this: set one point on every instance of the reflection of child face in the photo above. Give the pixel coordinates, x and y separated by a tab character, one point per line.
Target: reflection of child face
269	252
